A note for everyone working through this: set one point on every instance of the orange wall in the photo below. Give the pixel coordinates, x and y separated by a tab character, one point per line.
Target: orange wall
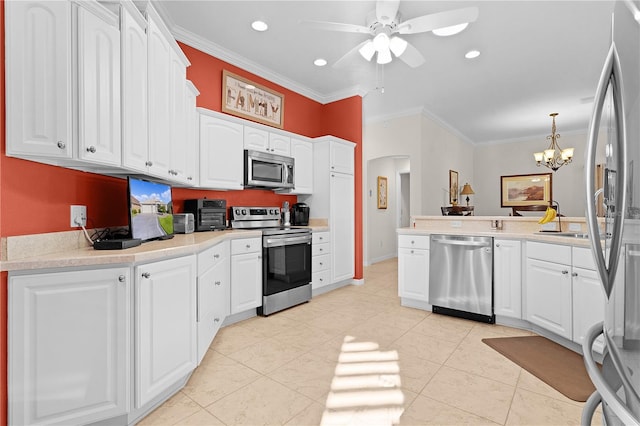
35	198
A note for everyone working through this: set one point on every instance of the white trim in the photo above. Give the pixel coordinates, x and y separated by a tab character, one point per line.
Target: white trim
359	281
383	258
542	138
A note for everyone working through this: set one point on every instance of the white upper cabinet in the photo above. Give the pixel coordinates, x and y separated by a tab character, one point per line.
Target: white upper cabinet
58	62
135	136
192	123
257	139
279	144
221	152
302	153
341	158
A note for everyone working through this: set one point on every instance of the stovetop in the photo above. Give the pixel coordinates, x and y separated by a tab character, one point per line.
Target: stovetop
265	218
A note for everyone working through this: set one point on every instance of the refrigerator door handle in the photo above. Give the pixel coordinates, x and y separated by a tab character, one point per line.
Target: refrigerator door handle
611	75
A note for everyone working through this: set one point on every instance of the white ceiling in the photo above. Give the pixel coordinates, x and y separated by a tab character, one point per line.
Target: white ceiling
537	57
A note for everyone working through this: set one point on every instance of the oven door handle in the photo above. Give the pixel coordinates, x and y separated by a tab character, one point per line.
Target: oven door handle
288	241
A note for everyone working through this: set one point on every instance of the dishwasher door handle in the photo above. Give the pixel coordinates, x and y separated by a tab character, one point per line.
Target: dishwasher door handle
462	243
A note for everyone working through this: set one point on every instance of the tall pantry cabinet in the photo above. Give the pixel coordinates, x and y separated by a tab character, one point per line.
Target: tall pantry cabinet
334	198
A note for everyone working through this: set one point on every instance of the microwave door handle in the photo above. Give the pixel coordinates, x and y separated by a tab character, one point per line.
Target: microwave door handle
611	74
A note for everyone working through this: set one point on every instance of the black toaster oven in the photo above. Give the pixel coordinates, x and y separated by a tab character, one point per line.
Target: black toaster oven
209	215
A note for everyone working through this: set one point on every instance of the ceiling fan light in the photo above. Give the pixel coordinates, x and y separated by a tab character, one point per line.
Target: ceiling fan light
381	42
367	50
397	45
384	56
451	30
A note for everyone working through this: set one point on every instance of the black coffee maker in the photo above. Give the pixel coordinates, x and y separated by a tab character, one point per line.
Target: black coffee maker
300	214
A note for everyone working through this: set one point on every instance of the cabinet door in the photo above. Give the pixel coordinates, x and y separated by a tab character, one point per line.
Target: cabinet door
221	153
166	345
159	95
38	78
213	303
135	137
302	153
341	158
178	93
191	134
549	296
246	282
507	278
413	274
99	133
341	226
256	139
588	303
280	144
69	351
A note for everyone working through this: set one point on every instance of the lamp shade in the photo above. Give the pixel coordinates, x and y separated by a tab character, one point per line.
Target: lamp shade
466	190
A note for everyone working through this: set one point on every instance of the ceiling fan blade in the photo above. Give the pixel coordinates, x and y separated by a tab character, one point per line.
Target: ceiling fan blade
345	58
434	21
386	10
336	26
412	57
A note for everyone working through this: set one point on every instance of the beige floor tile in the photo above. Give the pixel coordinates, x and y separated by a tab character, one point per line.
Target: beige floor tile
382	334
415	372
174	410
309	375
263	402
312	415
365	408
364	310
303	312
474	356
529	408
474	394
216	377
444	327
424	347
201	418
528	381
497	330
268	326
233	338
426	411
266	355
304	336
335	323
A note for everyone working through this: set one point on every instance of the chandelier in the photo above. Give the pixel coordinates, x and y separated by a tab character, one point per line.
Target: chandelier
554	157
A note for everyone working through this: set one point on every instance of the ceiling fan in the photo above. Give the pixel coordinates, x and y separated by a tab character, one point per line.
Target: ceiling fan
385	22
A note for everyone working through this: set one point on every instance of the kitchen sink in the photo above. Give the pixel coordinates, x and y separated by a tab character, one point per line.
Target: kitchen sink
583	235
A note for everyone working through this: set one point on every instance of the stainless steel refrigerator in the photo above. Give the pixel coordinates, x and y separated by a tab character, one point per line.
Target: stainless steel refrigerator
614	134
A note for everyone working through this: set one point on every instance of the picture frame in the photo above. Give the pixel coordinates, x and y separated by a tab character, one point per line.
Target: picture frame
382	192
453	187
526	190
244	98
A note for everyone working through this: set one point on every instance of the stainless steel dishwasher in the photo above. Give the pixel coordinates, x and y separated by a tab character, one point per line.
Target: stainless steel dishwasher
461	276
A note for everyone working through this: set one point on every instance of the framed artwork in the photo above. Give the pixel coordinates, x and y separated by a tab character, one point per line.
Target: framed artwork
525	190
453	187
382	192
249	100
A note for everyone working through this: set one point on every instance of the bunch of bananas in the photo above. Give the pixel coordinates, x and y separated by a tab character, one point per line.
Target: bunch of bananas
549	215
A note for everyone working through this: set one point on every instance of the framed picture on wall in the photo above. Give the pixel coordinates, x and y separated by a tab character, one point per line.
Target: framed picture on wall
382	192
250	100
453	187
525	190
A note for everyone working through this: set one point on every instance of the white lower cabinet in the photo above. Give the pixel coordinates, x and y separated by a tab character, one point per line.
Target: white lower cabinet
507	278
69	346
413	267
246	274
165	325
320	260
213	294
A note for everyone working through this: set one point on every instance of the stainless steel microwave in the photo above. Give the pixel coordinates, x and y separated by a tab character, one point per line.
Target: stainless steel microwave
264	170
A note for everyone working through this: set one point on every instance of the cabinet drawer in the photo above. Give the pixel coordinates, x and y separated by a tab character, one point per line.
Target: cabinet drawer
413	241
583	258
246	245
212	256
549	252
320	278
320	249
320	237
320	263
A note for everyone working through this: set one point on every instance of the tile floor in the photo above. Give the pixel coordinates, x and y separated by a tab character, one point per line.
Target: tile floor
355	356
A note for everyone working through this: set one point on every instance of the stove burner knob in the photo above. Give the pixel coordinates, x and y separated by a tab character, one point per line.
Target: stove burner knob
237	212
244	211
272	211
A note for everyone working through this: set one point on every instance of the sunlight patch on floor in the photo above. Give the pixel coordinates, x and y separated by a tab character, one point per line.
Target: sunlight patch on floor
365	389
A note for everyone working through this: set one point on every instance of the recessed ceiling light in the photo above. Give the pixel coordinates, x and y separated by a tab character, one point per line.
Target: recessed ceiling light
447	31
259	26
320	62
472	54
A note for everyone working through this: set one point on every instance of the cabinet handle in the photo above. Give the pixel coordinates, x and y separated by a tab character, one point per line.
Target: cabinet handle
565	272
248	246
146	275
216	320
189	178
321	280
574	274
149	163
497	244
320	249
216	256
259	257
321	263
61	145
91	149
122	278
217	283
411	251
332	167
413	242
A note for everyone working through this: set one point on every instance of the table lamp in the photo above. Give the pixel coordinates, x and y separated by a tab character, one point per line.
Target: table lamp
466	190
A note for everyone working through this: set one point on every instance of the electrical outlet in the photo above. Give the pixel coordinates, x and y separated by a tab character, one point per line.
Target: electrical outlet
575	227
456	224
78	216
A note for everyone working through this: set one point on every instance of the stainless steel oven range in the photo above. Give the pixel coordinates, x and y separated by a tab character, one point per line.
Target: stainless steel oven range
286	257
